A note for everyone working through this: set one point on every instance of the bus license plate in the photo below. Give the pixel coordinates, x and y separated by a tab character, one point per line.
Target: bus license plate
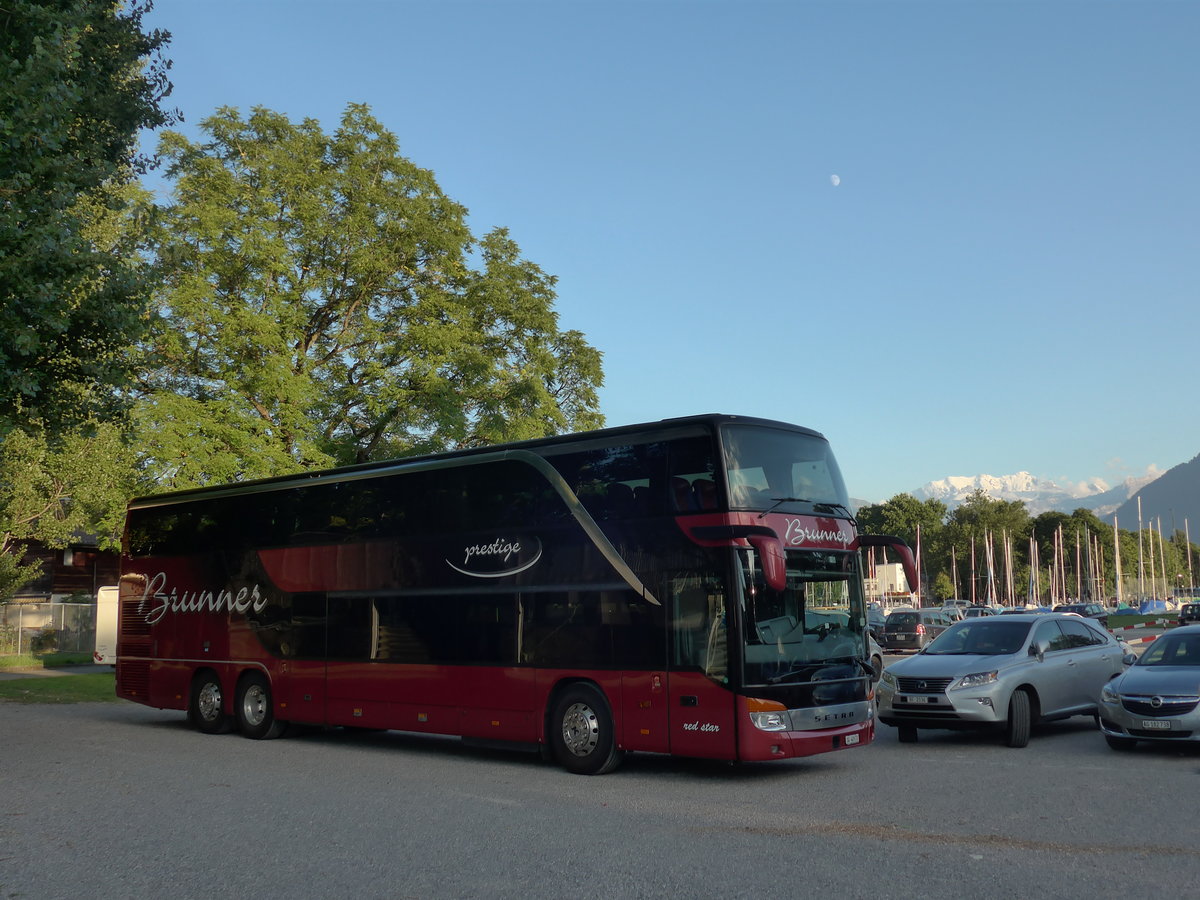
1160	724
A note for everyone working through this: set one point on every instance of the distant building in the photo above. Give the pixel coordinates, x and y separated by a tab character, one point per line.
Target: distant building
80	568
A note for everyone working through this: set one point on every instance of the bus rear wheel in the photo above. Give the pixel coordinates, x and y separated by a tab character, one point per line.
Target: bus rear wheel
582	736
255	709
206	708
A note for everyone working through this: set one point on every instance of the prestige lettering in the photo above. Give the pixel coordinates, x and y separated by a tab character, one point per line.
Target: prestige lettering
157	601
500	547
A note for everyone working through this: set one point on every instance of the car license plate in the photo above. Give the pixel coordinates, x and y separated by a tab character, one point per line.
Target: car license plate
1159	724
916	698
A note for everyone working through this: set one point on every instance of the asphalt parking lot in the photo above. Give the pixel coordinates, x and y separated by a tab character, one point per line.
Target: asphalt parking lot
117	800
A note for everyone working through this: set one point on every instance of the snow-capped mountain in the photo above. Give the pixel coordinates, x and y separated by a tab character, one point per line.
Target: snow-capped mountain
1039	495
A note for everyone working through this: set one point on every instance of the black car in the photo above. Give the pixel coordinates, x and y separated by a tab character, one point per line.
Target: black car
1087	610
912	629
1189	612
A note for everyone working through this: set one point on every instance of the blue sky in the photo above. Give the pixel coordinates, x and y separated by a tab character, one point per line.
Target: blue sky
1004	279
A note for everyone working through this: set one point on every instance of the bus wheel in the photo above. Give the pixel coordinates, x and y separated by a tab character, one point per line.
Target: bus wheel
255	712
205	710
581	732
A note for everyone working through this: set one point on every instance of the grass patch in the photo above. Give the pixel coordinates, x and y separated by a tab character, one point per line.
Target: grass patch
96	688
44	660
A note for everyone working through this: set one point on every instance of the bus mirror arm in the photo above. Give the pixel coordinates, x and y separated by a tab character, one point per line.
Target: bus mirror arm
900	548
764	540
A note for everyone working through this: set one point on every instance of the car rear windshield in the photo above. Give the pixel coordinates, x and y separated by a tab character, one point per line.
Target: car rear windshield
903	620
983	637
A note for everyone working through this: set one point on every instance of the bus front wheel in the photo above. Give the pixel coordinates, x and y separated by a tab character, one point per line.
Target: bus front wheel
255	709
206	709
582	735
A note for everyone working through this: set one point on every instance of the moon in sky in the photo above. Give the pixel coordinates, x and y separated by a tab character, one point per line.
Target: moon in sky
835	180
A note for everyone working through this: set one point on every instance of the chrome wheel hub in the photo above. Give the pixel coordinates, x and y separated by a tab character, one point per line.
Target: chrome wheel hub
580	729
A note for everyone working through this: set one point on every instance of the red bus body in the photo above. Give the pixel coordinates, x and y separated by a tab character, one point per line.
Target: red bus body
536	611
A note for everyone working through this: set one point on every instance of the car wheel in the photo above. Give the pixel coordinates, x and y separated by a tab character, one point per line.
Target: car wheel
1120	743
1019	720
907	734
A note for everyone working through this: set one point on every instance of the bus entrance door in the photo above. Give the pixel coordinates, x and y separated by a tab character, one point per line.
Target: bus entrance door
701	707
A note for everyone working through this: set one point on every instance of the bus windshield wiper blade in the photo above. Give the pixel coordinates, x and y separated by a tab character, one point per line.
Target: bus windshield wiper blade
779	501
834	507
817	506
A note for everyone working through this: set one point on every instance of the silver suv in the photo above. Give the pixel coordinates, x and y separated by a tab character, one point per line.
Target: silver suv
1005	672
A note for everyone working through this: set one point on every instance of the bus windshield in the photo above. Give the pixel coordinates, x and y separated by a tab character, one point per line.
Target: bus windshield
784	470
814	622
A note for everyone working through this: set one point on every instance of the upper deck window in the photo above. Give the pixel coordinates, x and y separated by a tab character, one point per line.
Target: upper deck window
785	470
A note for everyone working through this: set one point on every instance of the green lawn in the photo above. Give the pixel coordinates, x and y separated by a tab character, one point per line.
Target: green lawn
44	660
95	688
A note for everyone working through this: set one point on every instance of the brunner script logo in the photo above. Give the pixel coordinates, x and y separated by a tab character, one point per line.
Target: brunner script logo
503	556
799	533
157	601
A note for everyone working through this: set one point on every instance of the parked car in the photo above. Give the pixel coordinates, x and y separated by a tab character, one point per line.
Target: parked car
952	613
1158	697
875	621
1189	612
876	659
912	629
1003	672
1087	610
976	612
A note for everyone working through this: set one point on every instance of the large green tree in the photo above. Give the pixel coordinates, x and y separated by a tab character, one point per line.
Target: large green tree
78	80
323	301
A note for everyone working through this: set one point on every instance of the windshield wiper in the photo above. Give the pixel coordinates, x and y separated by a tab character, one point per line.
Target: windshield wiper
834	507
816	505
817	665
779	501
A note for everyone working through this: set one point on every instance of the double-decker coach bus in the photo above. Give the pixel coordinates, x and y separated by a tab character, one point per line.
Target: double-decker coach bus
690	587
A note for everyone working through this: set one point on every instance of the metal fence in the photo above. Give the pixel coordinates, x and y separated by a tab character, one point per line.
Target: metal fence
41	627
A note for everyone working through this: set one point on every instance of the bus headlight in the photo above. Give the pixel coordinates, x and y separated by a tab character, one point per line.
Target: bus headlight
768	715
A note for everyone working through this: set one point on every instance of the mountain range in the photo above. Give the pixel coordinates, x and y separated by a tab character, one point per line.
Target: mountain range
1172	496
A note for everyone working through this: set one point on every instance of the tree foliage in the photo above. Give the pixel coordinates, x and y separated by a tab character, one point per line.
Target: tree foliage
78	80
323	301
53	490
954	548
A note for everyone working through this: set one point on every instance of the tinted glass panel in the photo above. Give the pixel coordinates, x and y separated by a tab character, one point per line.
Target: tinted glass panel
766	465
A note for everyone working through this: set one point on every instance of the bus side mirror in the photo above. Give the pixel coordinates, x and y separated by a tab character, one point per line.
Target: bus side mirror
770	555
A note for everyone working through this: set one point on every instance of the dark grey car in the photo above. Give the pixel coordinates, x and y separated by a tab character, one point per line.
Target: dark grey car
1158	697
912	629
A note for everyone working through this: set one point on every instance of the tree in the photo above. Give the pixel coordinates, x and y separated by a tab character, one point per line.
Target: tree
50	491
78	80
905	516
324	302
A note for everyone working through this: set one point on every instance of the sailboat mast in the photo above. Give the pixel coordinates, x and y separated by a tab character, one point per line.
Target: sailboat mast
1117	558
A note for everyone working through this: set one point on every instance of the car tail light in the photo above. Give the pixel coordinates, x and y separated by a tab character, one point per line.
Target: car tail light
920	629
